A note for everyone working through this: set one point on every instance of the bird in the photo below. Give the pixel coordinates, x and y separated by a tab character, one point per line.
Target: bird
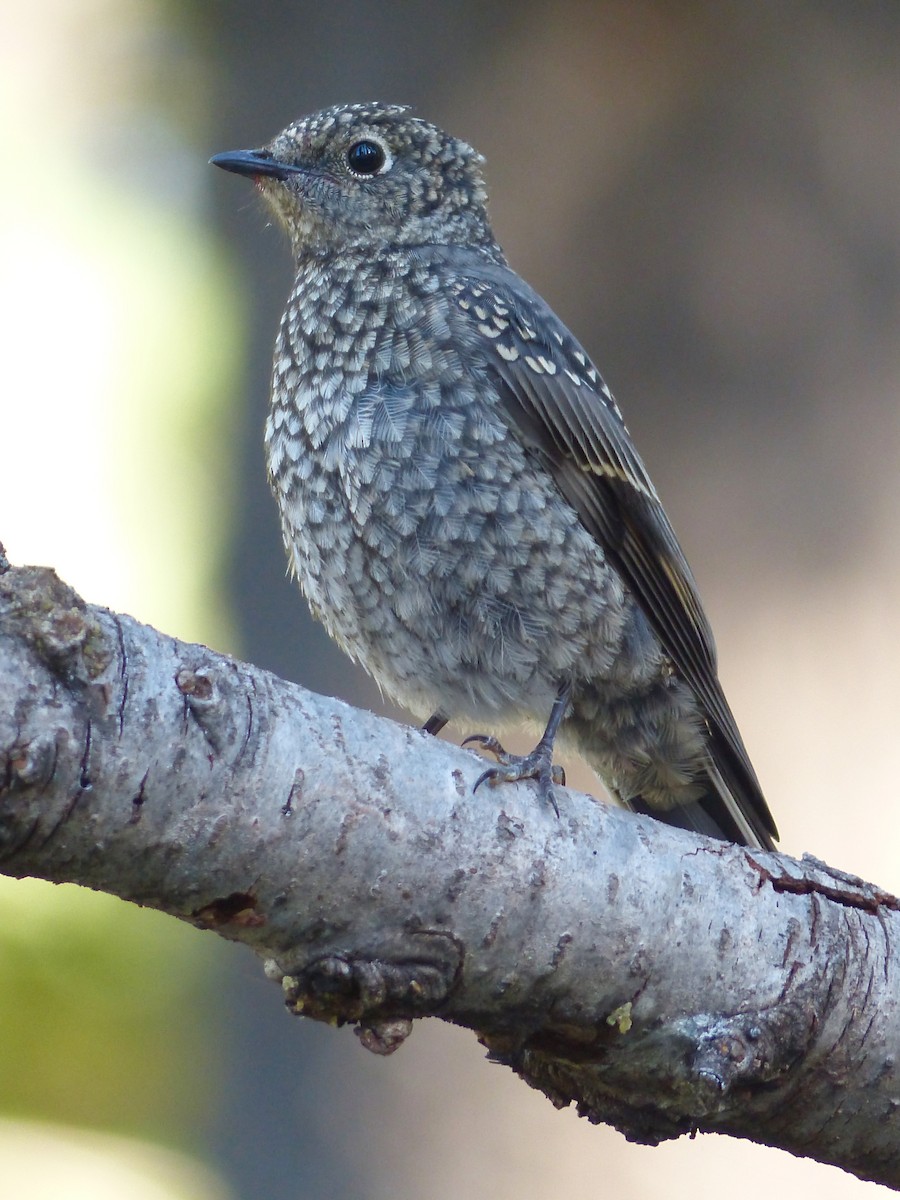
460	499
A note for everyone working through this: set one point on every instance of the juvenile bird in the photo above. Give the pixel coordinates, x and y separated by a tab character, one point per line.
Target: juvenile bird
460	499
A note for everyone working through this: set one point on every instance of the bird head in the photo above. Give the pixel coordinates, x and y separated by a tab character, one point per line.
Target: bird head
367	176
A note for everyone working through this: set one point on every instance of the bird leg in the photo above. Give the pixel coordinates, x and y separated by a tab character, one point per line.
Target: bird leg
435	723
538	764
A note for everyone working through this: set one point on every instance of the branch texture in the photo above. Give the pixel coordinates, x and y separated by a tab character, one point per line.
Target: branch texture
663	982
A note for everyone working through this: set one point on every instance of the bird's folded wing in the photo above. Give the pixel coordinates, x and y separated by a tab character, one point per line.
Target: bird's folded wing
566	416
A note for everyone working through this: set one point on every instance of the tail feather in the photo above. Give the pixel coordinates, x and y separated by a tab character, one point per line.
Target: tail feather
727	811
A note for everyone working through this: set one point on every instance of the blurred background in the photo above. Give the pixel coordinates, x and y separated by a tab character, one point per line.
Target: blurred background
709	194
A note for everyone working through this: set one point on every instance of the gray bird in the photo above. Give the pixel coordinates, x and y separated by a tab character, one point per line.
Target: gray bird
460	499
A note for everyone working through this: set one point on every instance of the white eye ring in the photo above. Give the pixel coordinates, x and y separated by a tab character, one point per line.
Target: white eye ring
368	156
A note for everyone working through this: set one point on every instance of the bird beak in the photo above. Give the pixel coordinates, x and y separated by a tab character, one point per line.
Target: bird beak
254	163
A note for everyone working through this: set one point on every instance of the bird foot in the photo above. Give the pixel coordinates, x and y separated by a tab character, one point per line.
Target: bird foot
511	768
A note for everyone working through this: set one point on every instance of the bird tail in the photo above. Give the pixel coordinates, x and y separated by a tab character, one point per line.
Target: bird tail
732	808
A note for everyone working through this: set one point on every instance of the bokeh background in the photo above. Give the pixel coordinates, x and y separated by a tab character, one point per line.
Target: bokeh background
709	194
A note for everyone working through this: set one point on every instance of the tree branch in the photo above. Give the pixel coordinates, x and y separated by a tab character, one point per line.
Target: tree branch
664	982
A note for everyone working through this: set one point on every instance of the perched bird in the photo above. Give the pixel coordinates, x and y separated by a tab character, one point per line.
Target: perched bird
460	499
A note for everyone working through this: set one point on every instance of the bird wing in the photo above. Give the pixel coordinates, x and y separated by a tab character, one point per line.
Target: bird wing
566	416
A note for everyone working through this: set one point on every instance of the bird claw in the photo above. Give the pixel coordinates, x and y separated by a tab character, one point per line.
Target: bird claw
491	744
512	768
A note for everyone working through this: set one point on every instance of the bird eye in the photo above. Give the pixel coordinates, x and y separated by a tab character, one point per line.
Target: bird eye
366	158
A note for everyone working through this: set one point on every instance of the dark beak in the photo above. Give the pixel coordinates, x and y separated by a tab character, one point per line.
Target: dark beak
253	163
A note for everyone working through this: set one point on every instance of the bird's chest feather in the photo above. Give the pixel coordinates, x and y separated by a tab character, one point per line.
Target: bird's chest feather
379	436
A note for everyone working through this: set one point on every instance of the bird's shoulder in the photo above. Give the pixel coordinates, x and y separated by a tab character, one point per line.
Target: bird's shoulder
497	307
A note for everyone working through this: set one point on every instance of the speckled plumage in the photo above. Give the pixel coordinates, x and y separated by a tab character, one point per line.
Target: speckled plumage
460	499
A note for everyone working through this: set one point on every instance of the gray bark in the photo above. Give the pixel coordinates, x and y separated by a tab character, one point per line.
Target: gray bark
664	982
